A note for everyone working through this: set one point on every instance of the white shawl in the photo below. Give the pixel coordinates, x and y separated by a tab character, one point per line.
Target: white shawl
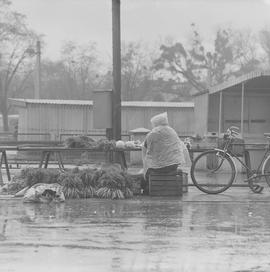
163	146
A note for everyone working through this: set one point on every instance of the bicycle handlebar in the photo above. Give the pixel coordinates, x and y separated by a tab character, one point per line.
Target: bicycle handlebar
187	142
232	132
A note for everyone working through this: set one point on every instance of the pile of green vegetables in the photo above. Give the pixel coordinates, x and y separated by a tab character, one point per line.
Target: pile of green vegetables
87	142
109	182
29	177
32	176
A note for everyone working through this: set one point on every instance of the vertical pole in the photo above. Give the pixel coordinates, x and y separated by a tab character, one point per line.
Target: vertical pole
109	136
1	177
220	113
38	54
116	95
242	108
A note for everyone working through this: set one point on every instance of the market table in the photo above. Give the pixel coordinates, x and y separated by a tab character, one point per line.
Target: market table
3	150
47	152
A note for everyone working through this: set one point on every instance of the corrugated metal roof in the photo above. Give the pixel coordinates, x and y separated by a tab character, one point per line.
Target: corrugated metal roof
157	104
237	81
90	102
53	101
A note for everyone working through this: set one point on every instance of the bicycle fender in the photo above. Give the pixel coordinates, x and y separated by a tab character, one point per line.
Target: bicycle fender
231	157
264	163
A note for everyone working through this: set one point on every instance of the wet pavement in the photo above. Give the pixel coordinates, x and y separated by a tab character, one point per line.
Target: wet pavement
198	232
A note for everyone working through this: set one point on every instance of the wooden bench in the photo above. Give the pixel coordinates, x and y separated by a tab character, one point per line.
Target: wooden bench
166	184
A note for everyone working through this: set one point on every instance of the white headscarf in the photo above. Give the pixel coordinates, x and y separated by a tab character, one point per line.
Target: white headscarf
160	120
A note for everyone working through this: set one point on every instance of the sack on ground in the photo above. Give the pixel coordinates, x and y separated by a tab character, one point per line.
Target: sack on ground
44	193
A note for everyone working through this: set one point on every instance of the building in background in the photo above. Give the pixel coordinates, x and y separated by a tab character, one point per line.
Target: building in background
243	102
42	119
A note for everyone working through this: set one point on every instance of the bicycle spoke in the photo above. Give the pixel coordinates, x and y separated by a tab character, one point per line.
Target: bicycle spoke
212	172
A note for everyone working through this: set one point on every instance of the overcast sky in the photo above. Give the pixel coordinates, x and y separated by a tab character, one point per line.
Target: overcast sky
146	20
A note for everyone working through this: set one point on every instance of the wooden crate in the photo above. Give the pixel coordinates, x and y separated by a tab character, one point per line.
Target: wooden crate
165	185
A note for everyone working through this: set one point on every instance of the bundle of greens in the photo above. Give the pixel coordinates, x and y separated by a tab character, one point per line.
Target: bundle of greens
17	184
39	175
106	145
80	142
114	184
107	182
72	185
87	177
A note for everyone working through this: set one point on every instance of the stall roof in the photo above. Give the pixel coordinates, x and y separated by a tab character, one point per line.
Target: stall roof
22	102
158	104
233	82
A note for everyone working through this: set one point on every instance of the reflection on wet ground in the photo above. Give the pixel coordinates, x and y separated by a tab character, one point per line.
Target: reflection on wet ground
142	234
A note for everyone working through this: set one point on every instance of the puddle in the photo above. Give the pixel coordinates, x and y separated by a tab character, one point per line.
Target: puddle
134	235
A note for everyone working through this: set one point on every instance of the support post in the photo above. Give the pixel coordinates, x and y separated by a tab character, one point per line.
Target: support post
109	136
38	71
220	113
242	108
116	97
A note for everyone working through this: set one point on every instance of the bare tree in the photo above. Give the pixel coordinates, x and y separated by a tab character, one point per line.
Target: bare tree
246	52
136	69
82	66
202	67
265	42
16	39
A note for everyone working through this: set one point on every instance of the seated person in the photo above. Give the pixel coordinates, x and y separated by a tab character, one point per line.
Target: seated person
162	150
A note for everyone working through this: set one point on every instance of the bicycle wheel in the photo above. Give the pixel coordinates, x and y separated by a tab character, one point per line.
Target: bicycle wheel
213	172
266	170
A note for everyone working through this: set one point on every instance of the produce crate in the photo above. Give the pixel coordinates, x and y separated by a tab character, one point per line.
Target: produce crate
165	184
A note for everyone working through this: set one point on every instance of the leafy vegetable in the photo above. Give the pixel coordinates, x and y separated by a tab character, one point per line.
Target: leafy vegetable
107	182
72	185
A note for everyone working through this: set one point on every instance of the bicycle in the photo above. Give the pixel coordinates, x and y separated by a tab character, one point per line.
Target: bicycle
214	171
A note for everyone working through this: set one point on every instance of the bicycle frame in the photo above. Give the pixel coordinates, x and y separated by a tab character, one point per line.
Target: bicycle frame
250	172
226	153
